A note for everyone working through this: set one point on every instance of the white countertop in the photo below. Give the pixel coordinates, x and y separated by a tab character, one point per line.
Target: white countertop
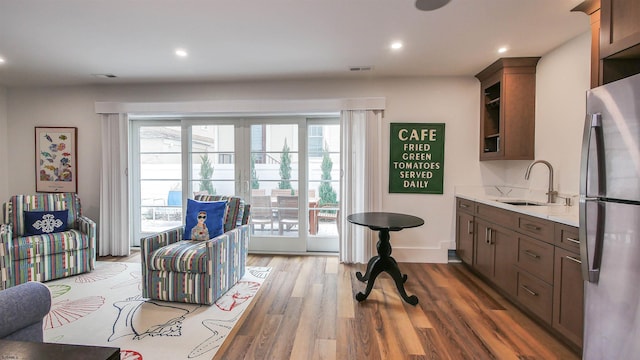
491	196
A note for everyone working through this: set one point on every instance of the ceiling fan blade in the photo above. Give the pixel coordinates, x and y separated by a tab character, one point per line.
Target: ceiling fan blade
429	5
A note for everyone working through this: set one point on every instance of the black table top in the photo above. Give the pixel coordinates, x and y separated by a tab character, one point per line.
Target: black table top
23	350
385	220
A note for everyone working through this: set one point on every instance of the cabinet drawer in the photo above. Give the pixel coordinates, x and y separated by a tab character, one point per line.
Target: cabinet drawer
535	227
536	257
535	295
465	205
496	215
567	237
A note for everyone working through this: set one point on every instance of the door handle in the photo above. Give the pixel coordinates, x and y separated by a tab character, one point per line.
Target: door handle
469	227
593	131
591	246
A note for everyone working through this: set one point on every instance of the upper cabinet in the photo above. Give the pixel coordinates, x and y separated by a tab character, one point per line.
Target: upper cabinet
592	8
619	39
507	114
615	48
620	27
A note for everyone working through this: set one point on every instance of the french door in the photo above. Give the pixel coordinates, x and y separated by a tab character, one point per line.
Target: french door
294	202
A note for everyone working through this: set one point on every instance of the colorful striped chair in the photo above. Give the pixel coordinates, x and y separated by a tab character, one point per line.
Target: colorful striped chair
193	271
51	255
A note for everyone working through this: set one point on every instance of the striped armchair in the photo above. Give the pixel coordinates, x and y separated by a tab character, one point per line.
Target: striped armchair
48	256
194	271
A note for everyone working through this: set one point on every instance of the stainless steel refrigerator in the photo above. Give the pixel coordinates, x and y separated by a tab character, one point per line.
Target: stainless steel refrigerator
610	221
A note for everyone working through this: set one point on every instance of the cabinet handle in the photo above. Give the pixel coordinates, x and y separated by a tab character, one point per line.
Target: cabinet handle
531	292
490	242
532	254
532	227
464	206
469	228
573	259
573	240
488	234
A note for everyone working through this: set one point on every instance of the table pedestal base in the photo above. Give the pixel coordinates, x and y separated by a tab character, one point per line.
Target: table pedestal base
384	262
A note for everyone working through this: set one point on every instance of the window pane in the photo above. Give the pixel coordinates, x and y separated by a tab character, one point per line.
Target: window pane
324	180
213	187
212	160
160	139
316	144
276	167
160	166
207	138
160	192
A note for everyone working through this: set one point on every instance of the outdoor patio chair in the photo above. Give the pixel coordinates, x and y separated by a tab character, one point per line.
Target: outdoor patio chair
287	213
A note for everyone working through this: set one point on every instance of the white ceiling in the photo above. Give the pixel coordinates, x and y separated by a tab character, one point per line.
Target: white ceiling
64	42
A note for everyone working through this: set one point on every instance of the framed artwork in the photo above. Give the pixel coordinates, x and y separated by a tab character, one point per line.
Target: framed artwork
416	157
56	159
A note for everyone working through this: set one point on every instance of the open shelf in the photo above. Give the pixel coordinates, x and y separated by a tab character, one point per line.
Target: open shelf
508	109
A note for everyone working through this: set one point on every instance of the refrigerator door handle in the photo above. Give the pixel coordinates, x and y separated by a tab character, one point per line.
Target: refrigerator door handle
593	131
591	241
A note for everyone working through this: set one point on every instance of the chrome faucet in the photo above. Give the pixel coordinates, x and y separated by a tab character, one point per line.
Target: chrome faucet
551	195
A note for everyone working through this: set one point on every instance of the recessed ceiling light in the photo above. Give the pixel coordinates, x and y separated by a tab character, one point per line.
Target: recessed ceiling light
1	60
396	45
181	53
428	5
502	50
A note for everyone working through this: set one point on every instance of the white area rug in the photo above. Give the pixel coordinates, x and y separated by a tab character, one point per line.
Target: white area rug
105	308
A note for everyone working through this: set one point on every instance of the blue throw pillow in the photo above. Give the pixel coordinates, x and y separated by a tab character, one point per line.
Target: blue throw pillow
204	219
45	222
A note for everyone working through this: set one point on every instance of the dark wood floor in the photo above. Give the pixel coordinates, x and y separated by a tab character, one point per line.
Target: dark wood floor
306	310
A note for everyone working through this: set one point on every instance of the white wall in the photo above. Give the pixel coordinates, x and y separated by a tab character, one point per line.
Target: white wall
4	147
454	101
562	79
63	106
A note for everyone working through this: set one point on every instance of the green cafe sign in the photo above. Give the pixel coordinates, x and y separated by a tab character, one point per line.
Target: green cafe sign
416	161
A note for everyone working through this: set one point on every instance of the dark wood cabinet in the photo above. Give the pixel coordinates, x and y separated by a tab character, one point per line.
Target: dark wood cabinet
620	26
619	39
615	39
567	238
592	8
465	229
568	291
533	261
535	295
495	255
507	113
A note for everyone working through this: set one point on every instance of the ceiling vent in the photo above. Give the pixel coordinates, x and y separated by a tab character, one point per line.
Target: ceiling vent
360	68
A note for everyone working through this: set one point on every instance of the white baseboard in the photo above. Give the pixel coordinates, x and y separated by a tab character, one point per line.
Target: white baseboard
438	255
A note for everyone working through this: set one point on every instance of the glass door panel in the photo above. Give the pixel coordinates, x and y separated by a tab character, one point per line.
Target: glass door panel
212	160
274	170
323	163
159	174
287	168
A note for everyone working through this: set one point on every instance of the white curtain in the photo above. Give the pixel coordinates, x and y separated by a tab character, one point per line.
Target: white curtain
361	181
113	235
